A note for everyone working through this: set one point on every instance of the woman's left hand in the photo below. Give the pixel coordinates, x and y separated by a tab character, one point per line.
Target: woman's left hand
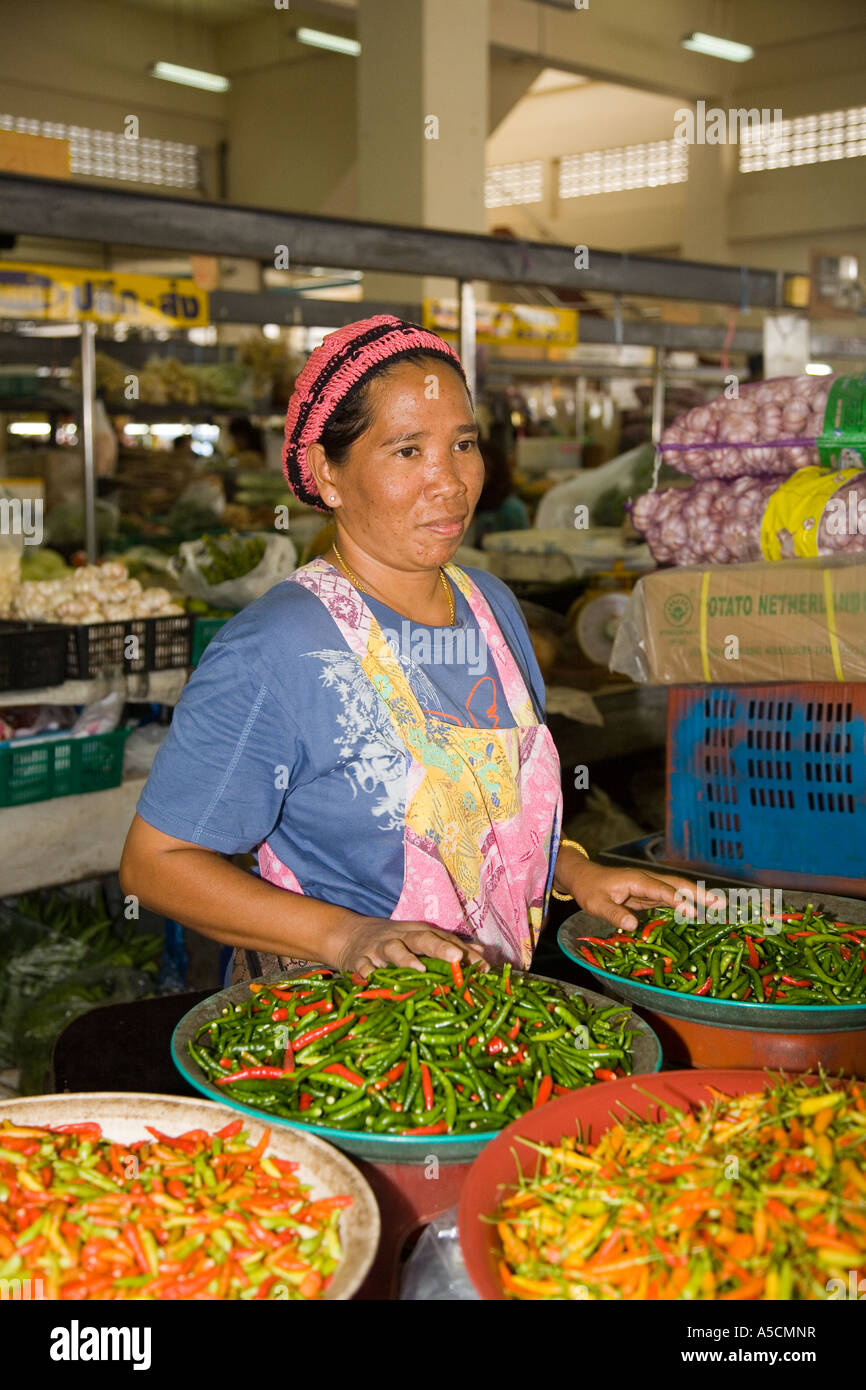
609	893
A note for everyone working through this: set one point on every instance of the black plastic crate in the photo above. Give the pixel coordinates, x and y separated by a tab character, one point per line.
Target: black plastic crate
32	655
96	649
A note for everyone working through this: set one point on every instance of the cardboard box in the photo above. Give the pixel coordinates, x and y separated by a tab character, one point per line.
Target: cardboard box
793	620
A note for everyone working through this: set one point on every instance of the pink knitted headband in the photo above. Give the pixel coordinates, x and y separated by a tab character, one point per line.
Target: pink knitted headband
345	359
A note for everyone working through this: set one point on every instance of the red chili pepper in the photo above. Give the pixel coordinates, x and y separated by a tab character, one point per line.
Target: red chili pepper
230	1130
705	987
279	1015
383	994
83	1131
315	1033
645	934
321	1006
305	1101
754	960
514	1030
545	1086
603	941
792	980
442	989
426	1087
130	1235
588	955
286	994
495	1045
644	970
441	1128
468	998
604	1074
390	1076
252	1074
358	979
457	974
337	1069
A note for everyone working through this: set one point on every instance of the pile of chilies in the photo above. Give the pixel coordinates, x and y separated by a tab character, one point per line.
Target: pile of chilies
199	1216
446	1052
799	958
658	1210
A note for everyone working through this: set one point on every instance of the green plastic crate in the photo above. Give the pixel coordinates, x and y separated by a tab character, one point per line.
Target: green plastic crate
203	630
60	767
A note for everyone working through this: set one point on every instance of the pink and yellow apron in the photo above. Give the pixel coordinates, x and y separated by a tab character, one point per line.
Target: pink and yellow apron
483	806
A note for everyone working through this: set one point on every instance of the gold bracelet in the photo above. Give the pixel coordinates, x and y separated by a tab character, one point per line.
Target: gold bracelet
568	844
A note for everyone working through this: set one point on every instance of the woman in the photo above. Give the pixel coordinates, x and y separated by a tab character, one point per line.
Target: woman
373	726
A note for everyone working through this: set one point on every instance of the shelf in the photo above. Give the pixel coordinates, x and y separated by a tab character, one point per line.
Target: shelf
65	840
148	687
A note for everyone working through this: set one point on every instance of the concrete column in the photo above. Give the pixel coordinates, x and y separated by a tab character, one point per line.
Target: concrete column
705	207
422	122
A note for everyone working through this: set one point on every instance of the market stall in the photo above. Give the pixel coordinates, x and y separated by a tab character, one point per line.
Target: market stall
685	621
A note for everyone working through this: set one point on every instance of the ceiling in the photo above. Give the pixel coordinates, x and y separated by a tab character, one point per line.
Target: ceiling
224	11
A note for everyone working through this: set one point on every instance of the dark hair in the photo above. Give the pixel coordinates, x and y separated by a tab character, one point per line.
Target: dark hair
498	479
247	436
354	415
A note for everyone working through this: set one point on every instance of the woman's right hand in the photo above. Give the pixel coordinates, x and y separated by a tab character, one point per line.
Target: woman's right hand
372	941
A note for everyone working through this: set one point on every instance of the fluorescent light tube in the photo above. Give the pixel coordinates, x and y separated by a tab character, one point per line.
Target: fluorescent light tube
714	47
190	77
334	43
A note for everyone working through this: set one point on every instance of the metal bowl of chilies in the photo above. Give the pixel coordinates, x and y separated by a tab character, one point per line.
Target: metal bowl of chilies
376	1148
706	1032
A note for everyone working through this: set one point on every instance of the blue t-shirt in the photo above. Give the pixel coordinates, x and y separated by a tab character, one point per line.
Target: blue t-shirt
279	736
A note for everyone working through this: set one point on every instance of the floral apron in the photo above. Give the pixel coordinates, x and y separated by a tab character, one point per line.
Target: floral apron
483	806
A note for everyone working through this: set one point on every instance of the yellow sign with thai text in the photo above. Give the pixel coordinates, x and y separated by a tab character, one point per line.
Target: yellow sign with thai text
66	294
526	325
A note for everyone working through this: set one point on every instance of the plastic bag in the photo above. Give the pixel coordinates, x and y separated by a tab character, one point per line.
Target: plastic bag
60	955
141	748
603	490
278	562
435	1272
100	716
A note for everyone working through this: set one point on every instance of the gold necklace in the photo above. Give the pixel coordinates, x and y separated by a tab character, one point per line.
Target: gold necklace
350	574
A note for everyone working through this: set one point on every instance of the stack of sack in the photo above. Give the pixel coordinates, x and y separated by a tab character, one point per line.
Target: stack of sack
761	489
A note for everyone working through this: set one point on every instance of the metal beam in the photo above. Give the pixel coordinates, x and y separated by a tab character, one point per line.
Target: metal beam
292	311
240	307
53	208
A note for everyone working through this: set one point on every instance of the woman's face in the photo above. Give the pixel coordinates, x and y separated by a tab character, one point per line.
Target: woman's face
408	488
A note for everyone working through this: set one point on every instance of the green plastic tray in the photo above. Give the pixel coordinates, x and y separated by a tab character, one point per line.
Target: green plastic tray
42	770
378	1148
725	1013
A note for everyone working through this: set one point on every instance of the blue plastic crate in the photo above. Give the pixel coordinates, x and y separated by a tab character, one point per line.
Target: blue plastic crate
769	782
